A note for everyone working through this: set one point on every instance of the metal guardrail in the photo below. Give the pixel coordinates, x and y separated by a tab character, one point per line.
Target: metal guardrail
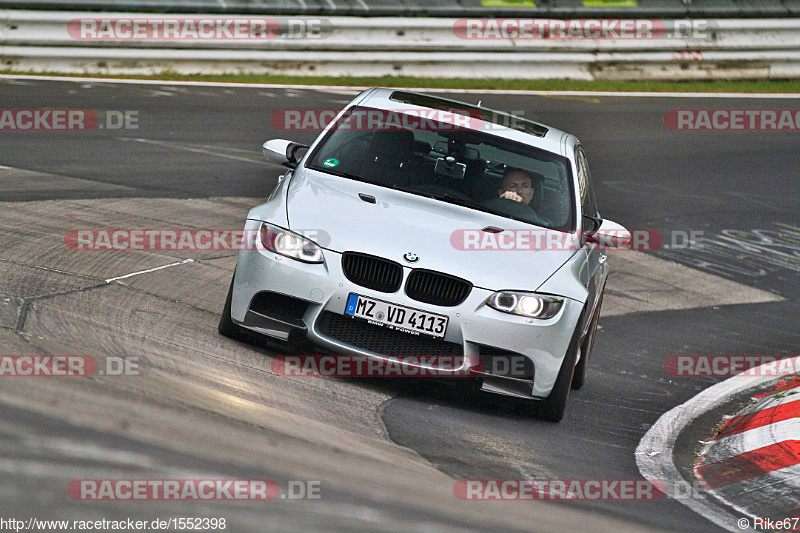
34	28
355	46
437	8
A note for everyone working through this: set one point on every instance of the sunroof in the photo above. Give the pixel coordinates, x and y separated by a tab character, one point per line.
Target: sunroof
489	115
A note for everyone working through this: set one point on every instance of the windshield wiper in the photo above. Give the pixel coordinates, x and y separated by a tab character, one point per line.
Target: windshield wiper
347	175
337	173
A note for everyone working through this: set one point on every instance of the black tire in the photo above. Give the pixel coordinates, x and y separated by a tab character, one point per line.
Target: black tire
552	408
579	378
226	326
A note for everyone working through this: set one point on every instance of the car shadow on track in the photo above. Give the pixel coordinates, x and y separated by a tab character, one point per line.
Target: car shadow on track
465	395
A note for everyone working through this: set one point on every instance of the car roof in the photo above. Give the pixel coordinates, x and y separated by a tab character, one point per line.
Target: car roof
523	130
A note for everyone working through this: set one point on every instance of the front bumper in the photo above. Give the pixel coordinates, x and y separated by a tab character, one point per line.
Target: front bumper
474	329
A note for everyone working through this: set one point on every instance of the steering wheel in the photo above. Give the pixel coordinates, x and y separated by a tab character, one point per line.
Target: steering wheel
518	210
434	187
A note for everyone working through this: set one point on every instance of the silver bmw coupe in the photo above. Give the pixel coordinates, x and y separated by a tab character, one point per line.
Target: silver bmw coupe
420	226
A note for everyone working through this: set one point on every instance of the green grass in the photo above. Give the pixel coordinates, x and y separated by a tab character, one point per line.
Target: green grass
734	86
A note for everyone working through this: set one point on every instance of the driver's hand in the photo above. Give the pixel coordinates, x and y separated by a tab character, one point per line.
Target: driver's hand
511	195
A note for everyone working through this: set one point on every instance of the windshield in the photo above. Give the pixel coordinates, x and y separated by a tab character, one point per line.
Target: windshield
449	163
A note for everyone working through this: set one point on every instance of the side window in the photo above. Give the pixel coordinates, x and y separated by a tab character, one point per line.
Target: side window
585	183
588	205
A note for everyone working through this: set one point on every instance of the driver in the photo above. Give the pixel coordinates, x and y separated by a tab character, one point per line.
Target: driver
521	186
517	186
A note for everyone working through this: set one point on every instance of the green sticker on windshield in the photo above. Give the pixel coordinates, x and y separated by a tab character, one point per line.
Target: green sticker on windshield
330	163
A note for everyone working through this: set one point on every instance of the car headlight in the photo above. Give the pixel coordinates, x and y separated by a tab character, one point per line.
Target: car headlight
289	244
526	304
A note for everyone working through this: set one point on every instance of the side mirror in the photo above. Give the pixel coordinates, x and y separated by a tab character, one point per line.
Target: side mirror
282	152
609	234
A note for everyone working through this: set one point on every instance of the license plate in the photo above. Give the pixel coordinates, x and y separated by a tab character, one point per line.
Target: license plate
396	317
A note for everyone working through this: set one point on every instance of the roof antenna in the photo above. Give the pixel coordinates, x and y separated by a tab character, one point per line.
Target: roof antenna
479	102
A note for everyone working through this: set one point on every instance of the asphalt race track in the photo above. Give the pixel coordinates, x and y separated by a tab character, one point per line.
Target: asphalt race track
385	453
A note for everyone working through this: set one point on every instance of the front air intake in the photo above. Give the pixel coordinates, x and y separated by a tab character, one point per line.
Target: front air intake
437	288
372	272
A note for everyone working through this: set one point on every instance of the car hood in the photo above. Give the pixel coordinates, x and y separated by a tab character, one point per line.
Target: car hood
329	208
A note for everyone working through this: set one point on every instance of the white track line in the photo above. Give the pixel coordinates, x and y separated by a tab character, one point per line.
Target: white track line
359	88
654	455
191	149
150	270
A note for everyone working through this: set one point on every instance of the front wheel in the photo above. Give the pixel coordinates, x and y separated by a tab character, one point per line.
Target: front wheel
586	348
226	326
552	408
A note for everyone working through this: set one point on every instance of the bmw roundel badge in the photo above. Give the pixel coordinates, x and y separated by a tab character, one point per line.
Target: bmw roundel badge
411	257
